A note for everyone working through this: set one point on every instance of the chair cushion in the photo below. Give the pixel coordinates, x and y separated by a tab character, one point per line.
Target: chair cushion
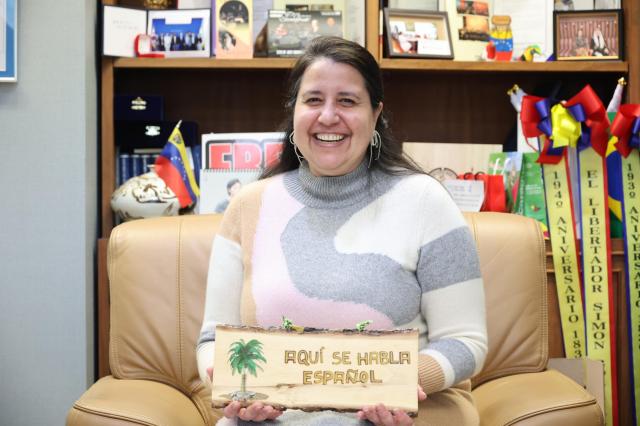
112	401
547	398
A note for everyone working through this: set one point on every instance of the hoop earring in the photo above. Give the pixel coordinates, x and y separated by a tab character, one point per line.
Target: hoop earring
376	142
295	148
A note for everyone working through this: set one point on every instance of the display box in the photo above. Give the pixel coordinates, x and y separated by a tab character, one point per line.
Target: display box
150	135
138	108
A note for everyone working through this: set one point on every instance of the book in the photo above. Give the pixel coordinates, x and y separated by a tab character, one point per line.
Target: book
289	33
240	151
530	199
234	20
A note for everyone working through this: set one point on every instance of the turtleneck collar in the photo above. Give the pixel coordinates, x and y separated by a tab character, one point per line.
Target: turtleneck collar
329	191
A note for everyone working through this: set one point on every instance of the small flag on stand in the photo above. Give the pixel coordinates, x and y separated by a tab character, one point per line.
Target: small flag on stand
614	167
173	166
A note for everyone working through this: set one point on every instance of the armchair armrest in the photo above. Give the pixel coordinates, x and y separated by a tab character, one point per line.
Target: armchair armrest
547	398
112	401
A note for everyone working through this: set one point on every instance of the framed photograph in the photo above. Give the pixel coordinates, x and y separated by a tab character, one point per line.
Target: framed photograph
180	33
8	40
588	35
289	33
571	5
417	34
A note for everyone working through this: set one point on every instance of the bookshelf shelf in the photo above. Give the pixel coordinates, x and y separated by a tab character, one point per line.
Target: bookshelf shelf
423	65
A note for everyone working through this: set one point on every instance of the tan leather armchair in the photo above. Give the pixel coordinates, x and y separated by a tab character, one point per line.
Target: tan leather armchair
157	271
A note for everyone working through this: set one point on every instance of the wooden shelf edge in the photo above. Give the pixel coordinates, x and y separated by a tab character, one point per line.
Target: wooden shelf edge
479	66
385	64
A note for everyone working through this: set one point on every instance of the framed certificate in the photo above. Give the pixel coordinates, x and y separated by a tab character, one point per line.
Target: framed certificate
8	41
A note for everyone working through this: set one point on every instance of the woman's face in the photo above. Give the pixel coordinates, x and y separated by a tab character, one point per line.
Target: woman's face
333	120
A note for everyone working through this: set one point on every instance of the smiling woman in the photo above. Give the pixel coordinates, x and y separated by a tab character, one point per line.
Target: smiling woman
344	229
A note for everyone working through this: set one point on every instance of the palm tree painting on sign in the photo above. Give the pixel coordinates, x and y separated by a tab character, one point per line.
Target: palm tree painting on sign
243	358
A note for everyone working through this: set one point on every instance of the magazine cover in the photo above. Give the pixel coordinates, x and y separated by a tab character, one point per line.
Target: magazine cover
240	151
234	20
218	187
289	32
232	160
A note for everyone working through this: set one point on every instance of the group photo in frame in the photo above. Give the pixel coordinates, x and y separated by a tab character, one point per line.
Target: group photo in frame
180	33
592	35
8	41
417	34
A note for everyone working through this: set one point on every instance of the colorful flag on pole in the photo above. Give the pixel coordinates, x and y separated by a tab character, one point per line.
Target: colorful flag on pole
173	166
614	167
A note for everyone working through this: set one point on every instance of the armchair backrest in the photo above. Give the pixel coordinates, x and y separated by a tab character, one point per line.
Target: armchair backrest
512	261
158	267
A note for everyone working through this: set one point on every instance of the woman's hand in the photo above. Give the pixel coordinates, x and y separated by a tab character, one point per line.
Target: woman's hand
256	412
379	415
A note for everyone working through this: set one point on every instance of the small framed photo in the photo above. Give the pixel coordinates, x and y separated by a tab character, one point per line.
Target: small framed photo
417	34
8	40
180	33
591	35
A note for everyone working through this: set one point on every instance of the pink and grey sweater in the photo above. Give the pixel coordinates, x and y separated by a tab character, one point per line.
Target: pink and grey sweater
329	252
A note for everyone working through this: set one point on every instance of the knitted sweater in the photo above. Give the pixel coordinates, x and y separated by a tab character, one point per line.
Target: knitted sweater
329	252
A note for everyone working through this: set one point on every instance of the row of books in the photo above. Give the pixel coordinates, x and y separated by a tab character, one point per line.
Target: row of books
137	163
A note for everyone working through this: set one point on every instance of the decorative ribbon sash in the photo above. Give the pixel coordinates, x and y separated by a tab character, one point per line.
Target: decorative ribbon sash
626	139
582	122
565	258
536	121
587	109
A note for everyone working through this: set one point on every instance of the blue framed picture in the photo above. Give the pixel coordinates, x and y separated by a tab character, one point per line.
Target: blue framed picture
8	40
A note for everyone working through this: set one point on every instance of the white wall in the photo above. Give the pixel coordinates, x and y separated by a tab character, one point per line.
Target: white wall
48	213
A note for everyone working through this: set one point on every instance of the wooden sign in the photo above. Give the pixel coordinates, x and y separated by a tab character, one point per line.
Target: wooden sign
316	369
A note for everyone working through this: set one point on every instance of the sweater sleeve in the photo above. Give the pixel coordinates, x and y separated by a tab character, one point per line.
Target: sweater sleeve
224	287
452	301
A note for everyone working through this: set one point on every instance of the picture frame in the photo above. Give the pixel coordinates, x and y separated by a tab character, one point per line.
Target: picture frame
8	41
571	5
181	33
592	35
417	34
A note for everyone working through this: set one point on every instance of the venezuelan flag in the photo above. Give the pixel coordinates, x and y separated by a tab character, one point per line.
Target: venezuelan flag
173	166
